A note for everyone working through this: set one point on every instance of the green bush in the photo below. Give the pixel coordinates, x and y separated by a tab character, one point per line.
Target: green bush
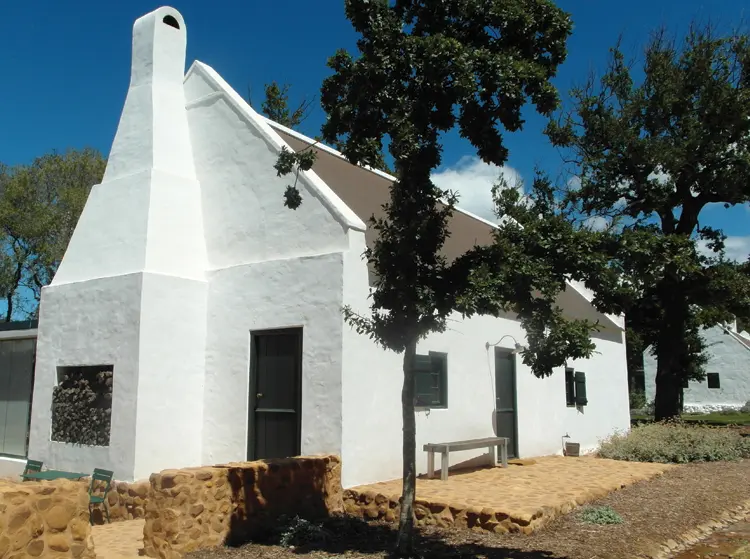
600	515
676	442
637	399
300	533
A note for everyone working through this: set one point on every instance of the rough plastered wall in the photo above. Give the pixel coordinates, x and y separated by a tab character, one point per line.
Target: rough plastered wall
200	508
727	356
269	268
45	519
130	291
373	381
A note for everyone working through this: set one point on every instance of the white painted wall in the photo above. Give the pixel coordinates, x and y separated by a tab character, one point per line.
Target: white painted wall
373	379
270	267
727	356
131	289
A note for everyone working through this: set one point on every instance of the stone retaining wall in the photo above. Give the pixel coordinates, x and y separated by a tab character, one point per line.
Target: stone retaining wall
45	519
199	508
127	501
371	505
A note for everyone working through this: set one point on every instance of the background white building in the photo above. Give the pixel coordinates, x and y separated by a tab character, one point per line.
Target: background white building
727	383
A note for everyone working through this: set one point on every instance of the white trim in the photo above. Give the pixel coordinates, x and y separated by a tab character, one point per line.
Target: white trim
18	334
343	213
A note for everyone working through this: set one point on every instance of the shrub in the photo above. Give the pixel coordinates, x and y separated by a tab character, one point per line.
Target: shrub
600	515
300	532
746	407
637	399
676	442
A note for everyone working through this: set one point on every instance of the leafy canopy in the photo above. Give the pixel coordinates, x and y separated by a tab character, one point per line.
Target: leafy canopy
40	205
656	154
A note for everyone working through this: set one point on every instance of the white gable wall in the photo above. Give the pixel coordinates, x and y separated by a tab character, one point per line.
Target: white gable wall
372	431
269	267
727	356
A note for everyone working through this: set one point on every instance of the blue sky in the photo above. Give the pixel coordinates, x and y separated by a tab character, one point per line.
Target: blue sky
66	70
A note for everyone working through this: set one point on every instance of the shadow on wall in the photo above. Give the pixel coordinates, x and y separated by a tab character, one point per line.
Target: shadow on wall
306	487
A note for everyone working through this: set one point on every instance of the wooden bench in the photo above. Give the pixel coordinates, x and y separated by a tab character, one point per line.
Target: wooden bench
445	448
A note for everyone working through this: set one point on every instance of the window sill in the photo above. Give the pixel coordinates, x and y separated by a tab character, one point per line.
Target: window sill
429	408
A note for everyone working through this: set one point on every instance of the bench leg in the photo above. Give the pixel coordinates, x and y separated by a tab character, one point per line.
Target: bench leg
493	458
504	453
430	464
444	466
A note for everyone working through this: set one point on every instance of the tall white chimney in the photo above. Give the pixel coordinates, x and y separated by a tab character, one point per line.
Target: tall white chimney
130	291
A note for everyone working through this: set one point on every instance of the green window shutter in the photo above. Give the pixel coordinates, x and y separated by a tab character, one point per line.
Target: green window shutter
580	387
440	371
570	387
424	389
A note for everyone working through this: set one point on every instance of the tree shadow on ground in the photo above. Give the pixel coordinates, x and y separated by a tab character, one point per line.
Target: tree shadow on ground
348	535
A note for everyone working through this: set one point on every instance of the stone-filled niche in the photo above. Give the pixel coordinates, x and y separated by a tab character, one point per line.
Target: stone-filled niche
82	405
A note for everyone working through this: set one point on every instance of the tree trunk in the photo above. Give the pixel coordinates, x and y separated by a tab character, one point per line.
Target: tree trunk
405	543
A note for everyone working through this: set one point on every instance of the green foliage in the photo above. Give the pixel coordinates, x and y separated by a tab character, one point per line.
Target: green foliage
676	442
654	155
82	407
637	399
300	533
276	106
599	515
39	208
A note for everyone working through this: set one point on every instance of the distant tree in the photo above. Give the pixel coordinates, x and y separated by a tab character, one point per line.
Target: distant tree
40	205
424	69
658	153
276	105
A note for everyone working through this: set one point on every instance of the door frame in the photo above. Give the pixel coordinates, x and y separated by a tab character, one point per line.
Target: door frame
499	351
250	449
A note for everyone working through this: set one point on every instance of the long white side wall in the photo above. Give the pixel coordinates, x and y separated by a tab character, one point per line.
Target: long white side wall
373	379
727	356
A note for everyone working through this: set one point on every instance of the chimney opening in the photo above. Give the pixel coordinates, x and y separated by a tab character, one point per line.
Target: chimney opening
171	21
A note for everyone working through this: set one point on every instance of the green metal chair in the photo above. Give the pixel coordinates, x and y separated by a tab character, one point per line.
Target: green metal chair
95	496
31	466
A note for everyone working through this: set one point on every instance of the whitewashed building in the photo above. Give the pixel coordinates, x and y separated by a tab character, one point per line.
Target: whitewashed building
219	310
727	383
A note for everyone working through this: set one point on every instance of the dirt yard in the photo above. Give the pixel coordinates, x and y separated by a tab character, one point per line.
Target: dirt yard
653	511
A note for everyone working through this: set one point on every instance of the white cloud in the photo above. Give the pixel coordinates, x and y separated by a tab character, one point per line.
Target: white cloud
473	180
574	183
736	248
596	223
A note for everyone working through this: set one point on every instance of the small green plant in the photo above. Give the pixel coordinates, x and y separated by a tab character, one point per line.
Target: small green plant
676	442
300	532
637	399
600	515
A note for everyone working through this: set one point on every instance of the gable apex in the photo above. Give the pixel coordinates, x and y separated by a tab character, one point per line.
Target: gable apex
211	85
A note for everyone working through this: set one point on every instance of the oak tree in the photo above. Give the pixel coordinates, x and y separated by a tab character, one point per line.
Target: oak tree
658	151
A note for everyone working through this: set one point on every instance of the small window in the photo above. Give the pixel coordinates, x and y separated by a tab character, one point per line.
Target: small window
570	387
431	380
713	380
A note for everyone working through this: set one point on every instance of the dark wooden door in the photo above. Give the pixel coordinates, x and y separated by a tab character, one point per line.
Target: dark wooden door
505	399
275	394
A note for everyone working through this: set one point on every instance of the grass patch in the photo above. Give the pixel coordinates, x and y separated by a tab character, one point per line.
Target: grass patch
600	515
676	442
